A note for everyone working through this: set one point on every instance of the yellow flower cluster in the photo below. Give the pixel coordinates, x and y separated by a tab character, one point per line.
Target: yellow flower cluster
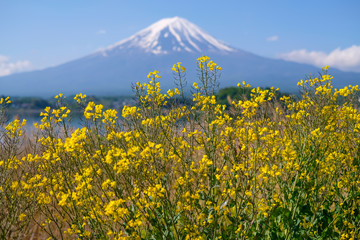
79	97
178	68
14	129
205	62
6	100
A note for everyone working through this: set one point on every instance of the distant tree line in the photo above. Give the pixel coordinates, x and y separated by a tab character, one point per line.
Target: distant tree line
38	103
226	95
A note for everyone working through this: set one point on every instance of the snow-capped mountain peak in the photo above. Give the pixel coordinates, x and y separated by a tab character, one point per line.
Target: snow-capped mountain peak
171	35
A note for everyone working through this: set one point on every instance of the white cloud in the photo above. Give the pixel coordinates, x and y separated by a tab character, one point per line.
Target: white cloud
101	32
272	38
347	59
7	67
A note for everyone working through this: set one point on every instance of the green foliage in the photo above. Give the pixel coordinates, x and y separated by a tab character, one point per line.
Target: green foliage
225	96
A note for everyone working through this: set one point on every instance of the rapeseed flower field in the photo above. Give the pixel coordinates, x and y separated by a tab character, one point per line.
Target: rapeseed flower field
264	168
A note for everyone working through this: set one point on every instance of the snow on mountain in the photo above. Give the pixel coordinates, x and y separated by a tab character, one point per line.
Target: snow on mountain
171	35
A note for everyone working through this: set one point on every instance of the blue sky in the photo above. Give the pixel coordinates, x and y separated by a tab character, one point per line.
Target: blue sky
42	33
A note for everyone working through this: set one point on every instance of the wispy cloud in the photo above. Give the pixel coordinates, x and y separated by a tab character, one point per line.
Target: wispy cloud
347	59
272	38
7	67
101	32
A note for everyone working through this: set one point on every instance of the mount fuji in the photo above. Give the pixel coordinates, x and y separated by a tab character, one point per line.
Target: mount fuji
113	70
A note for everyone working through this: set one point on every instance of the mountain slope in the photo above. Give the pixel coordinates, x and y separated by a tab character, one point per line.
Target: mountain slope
112	70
